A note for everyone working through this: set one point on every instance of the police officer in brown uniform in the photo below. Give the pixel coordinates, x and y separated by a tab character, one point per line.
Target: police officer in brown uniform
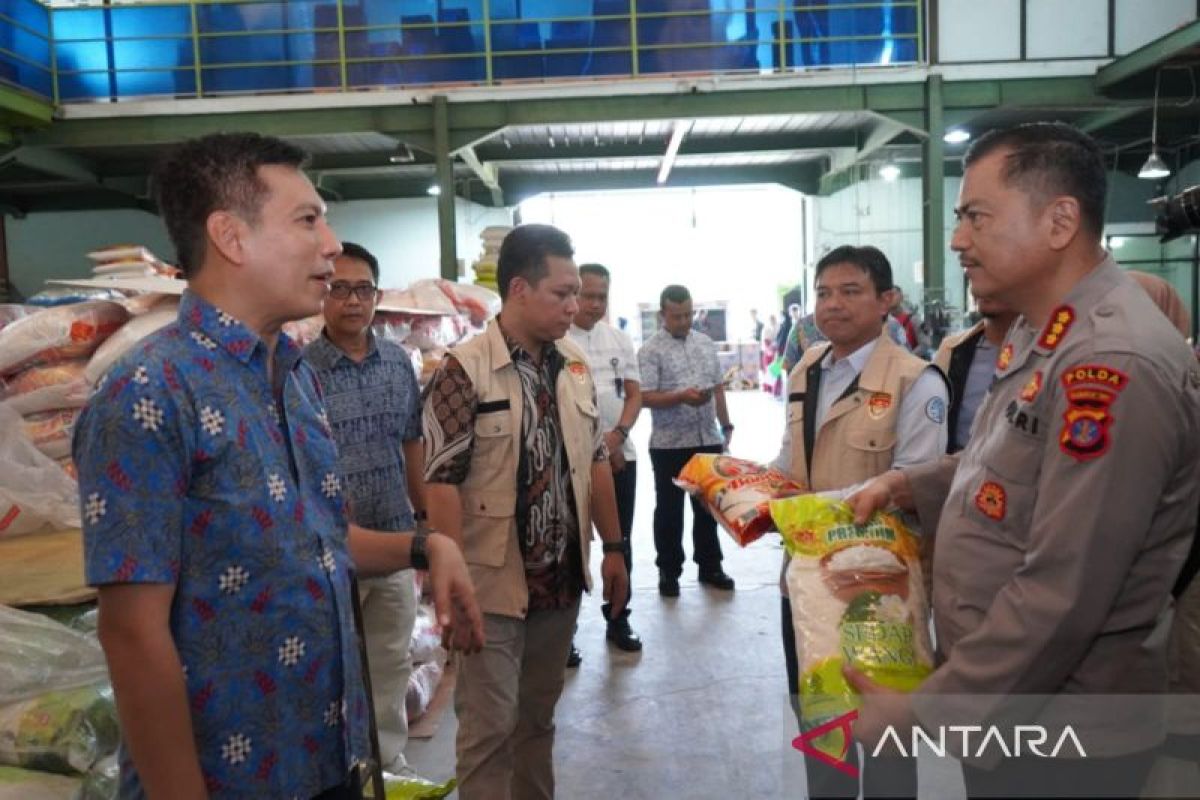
1062	525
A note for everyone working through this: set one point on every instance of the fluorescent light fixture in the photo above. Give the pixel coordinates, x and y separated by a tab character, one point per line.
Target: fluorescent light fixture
677	134
956	136
1115	242
433	190
889	172
1154	168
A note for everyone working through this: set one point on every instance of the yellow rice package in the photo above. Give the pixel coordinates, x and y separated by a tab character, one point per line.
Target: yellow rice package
857	597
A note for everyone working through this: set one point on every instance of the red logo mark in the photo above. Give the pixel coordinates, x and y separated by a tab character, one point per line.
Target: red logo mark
805	745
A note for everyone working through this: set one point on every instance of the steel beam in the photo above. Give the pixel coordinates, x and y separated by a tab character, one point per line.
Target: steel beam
933	216
1148	57
447	237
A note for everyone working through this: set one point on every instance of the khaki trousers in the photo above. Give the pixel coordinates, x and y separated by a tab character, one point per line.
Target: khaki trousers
505	699
389	606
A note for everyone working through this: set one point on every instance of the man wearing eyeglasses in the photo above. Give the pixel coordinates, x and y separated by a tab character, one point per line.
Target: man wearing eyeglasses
374	407
614	364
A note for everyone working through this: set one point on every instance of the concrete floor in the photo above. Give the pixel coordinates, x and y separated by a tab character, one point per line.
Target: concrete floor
702	711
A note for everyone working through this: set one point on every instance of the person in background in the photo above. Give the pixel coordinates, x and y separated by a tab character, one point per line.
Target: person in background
517	472
770	383
915	337
857	406
968	360
373	405
756	326
1064	523
614	366
681	385
213	516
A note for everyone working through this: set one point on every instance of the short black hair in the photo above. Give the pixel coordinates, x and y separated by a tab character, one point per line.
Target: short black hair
1050	158
870	260
599	270
218	172
673	294
524	251
352	250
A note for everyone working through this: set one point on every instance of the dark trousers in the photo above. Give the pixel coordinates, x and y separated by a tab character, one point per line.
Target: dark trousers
350	790
668	515
1119	776
625	483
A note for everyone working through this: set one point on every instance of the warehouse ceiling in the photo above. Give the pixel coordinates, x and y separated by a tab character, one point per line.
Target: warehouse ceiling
815	139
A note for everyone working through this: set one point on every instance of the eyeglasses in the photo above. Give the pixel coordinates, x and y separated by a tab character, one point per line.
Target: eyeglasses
365	292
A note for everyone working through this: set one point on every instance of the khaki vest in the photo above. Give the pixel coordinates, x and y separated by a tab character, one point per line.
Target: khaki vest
941	359
858	438
489	493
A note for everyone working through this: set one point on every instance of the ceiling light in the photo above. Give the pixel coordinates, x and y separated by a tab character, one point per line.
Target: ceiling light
889	172
956	136
1155	167
1116	241
433	190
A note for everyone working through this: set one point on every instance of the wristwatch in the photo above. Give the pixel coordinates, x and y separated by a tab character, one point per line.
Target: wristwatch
623	430
613	547
418	556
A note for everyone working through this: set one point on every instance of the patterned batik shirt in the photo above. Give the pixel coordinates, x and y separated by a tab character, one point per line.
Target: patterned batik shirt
374	407
196	471
668	364
546	517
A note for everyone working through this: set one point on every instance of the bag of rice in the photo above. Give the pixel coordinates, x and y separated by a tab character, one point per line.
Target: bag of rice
857	597
58	333
46	388
51	431
736	492
63	730
124	339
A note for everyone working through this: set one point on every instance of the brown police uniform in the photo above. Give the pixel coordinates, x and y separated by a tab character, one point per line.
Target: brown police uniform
1070	512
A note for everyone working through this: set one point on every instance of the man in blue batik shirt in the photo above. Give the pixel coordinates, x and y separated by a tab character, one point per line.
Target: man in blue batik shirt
374	406
214	523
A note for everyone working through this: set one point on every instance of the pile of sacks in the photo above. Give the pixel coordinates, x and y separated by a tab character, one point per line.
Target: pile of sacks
491	238
50	361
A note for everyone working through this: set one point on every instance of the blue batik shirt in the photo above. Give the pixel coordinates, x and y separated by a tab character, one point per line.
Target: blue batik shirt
195	471
374	407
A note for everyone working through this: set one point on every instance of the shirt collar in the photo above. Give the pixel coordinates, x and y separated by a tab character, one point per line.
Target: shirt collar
551	357
324	354
228	333
857	359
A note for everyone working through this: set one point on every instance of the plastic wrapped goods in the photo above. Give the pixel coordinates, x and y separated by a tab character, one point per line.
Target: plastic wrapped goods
736	492
51	431
126	337
45	388
64	730
857	597
35	492
59	333
38	654
25	784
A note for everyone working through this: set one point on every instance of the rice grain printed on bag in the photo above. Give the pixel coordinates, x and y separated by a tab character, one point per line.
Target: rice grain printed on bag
857	597
736	492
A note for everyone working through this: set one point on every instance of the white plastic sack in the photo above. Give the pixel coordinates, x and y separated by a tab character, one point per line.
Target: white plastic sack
35	492
38	655
59	333
126	337
48	387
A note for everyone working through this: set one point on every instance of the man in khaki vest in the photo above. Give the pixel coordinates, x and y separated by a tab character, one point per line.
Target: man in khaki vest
968	360
857	406
518	472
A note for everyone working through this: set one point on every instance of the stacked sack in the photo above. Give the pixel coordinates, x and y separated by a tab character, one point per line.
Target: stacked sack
485	266
128	261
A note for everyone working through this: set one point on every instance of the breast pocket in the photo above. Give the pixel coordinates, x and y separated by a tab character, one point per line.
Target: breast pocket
1005	492
484	512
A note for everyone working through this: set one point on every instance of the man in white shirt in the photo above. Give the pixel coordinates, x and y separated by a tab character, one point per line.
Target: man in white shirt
857	406
614	367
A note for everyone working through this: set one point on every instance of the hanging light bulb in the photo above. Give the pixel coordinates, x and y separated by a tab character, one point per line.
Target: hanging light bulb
889	172
1155	167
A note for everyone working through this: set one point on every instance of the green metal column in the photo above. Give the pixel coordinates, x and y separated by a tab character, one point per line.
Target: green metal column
445	183
933	193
